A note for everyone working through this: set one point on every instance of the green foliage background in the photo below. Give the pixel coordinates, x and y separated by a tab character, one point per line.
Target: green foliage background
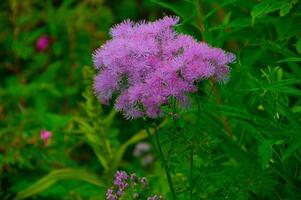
239	140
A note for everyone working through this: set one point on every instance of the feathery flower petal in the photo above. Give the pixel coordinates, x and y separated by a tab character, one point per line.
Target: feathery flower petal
146	63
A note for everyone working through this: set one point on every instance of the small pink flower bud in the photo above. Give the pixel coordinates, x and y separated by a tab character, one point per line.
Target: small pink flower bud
45	136
42	43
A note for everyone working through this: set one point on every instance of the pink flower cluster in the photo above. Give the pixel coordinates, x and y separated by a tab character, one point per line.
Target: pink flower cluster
125	183
155	197
147	63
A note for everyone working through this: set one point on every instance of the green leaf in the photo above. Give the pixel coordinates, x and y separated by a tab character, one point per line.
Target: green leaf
282	86
184	9
293	59
94	141
292	148
295	126
236	24
296	109
136	138
218	8
269	6
281	83
53	120
284	27
292	117
265	151
57	175
285	8
298	46
288	91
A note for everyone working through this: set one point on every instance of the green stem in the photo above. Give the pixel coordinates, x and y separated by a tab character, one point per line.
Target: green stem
192	148
151	139
172	190
191	171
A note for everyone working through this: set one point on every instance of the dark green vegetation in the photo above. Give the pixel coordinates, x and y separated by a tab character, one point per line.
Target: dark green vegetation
246	134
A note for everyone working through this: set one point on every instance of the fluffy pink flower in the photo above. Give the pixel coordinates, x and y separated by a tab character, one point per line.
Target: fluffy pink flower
42	43
147	63
45	136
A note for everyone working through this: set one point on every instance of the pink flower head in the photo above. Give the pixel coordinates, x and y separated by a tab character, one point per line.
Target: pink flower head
110	194
45	136
125	184
155	197
147	63
42	43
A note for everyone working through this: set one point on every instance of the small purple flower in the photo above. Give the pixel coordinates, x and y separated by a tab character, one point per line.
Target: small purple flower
121	182
155	197
119	192
110	194
45	136
124	183
148	63
120	177
42	43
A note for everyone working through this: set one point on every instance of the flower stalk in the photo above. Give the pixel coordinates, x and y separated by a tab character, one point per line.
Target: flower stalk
165	165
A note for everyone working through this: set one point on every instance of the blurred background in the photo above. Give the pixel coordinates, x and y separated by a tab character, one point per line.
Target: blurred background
58	142
45	88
